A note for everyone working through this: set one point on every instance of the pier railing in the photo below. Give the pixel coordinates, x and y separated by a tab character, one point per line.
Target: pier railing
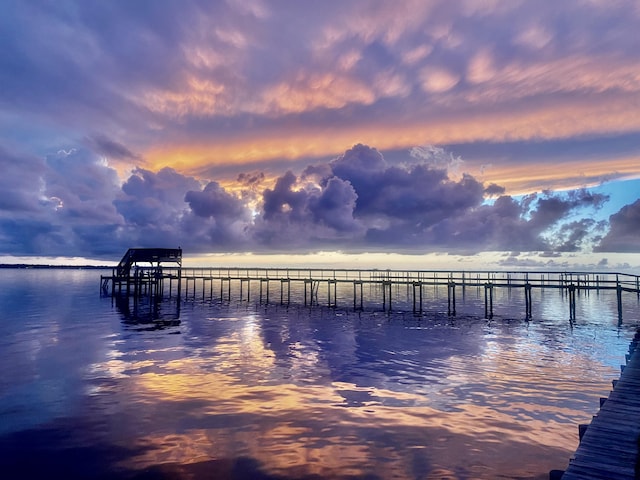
468	277
308	281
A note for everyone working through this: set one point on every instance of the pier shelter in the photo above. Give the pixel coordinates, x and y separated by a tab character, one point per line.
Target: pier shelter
140	271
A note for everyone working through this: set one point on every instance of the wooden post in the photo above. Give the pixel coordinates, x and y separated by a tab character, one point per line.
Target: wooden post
282	282
242	280
331	282
179	282
527	300
222	280
281	291
572	302
619	295
451	298
384	297
265	281
357	283
419	297
488	300
386	285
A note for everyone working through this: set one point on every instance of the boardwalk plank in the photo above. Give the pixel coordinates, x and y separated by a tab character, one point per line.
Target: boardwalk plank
609	447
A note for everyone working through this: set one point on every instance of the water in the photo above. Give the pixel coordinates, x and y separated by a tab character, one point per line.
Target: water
94	388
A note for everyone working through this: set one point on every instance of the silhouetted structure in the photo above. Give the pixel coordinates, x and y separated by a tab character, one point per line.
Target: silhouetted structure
144	280
315	285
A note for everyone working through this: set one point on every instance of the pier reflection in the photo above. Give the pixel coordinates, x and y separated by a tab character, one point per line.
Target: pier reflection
150	313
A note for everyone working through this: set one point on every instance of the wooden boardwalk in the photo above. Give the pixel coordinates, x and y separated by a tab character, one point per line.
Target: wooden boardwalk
608	448
321	286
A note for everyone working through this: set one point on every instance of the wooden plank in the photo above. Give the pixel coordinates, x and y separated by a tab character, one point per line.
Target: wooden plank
609	447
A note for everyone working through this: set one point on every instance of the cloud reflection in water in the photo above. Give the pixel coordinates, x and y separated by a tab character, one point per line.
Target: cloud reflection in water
310	394
238	390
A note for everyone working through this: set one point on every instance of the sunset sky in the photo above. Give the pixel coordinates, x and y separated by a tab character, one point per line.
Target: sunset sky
502	130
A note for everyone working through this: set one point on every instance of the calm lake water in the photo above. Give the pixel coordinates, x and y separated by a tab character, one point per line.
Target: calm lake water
94	388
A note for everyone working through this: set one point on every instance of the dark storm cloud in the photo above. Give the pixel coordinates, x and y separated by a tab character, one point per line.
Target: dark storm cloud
152	206
23	236
170	208
250	179
357	201
283	200
214	201
154	199
57	205
406	193
571	236
413	206
111	149
624	232
534	223
335	206
492	190
19	181
306	215
82	186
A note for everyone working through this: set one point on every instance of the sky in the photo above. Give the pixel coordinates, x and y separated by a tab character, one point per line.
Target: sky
499	131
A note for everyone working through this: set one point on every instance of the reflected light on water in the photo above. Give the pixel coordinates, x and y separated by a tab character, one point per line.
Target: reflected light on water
491	406
285	393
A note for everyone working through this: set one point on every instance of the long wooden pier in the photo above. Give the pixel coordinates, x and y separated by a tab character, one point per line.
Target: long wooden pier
322	286
608	447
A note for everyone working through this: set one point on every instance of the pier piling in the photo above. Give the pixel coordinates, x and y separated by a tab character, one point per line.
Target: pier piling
398	289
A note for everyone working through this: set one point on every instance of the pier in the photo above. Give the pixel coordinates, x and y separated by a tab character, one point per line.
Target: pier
608	447
136	278
355	288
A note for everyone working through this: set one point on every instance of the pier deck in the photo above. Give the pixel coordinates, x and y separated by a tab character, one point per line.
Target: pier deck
149	279
608	448
322	286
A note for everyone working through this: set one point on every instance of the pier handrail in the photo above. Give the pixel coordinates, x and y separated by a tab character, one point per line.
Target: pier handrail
383	281
537	278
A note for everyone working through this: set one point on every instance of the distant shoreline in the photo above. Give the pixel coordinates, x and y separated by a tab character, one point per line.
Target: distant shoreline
52	267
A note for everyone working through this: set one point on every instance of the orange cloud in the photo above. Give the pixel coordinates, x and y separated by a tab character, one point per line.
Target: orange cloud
538	123
520	178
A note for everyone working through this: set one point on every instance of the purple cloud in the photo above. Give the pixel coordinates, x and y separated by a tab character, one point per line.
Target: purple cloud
173	209
357	201
57	205
415	207
214	201
18	182
305	215
624	231
111	149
